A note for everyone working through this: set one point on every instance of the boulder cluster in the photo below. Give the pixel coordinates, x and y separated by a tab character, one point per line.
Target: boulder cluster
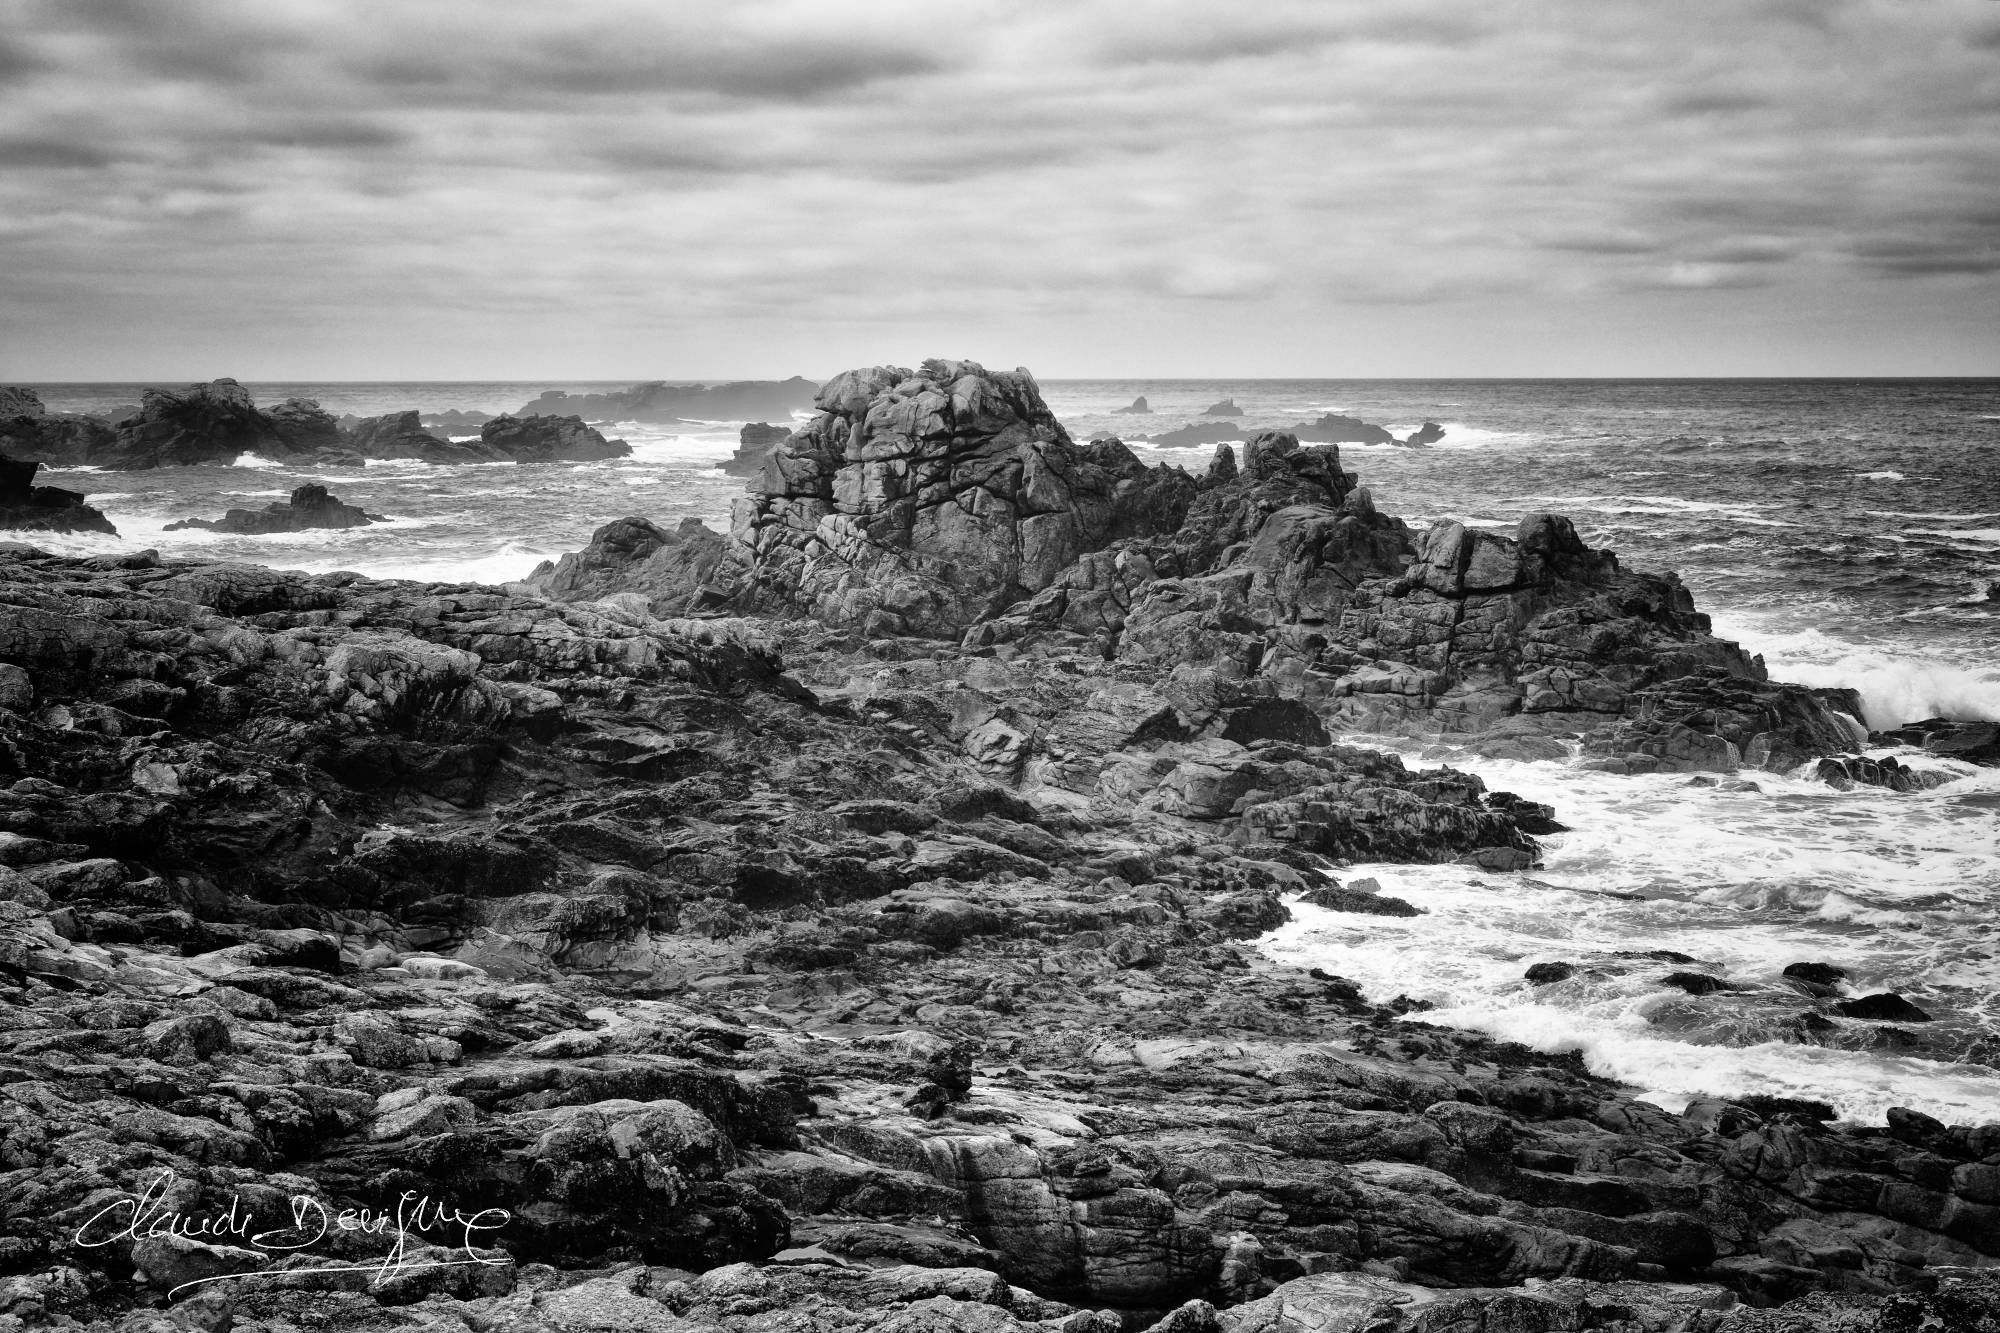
218	423
844	924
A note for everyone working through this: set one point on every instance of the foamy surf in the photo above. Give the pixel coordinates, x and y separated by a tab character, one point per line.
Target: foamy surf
1895	687
1896	890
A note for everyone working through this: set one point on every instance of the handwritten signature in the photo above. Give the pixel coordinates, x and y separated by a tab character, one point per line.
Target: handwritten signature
146	1216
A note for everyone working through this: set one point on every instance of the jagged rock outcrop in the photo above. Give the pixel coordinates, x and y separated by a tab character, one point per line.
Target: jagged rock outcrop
1138	407
549	439
920	973
20	403
918	502
670	573
309	507
1848	771
1428	433
1715	718
403	435
26	507
1226	408
754	445
1967	742
740	400
215	422
302	426
950	501
1542	629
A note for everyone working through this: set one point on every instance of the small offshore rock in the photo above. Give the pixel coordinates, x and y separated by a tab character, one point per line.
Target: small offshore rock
1883	1006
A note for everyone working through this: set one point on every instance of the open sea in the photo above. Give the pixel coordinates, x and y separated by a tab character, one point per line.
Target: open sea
1848	530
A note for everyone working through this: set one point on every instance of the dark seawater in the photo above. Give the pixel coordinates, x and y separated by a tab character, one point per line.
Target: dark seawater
1849	530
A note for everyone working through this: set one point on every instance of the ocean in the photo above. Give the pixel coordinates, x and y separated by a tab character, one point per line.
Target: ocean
1848	530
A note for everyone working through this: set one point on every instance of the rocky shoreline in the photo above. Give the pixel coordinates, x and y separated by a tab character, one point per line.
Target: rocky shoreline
844	923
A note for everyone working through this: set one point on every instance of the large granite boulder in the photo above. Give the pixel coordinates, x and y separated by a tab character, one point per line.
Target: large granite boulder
304	427
671	571
26	507
309	507
753	446
1716	720
919	502
548	439
1482	627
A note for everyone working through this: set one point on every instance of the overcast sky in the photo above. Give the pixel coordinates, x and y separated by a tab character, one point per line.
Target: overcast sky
360	189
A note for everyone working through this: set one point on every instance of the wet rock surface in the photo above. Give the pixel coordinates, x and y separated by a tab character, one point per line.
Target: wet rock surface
801	971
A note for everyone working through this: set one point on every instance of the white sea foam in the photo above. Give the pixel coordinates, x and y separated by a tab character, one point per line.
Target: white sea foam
1896	889
509	562
1985	536
1878	476
1458	435
1895	687
256	461
1935	518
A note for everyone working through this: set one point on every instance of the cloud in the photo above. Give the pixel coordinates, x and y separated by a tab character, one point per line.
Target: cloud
1913	257
56	153
410	186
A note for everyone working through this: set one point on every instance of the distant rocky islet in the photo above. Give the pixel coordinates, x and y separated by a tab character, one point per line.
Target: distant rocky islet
219	422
